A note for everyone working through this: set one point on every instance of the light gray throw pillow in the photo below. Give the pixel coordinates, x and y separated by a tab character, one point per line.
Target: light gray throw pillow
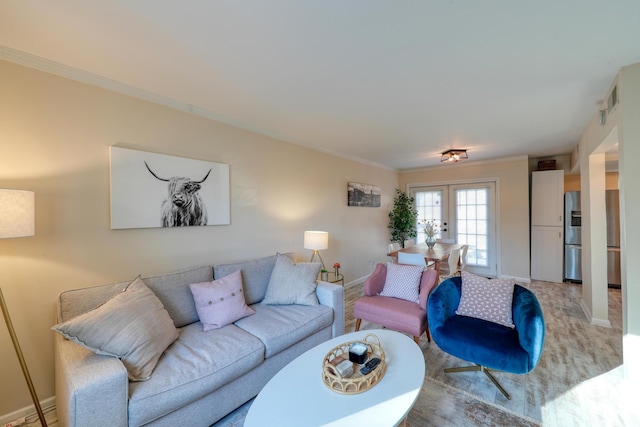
132	326
292	283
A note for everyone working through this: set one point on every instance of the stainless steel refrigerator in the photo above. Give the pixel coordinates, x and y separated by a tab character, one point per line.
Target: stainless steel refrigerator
573	240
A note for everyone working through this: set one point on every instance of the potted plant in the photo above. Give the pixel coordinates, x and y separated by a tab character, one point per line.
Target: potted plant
403	218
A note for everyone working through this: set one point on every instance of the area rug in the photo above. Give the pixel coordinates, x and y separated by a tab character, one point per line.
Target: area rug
442	405
438	405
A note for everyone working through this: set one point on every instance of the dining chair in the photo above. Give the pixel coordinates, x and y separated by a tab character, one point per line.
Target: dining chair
463	258
413	259
409	242
392	247
451	268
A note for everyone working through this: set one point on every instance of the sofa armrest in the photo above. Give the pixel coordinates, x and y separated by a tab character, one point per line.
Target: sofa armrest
90	389
332	295
529	322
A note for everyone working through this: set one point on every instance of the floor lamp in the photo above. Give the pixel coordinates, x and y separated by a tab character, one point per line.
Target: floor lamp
316	241
17	219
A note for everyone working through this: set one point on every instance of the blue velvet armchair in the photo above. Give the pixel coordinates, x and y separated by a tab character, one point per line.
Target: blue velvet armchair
487	344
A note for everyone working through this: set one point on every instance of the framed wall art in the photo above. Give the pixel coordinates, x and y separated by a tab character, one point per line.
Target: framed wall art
156	190
363	195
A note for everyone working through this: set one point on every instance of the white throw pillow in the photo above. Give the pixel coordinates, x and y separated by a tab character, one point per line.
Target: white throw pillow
487	299
132	326
292	283
403	281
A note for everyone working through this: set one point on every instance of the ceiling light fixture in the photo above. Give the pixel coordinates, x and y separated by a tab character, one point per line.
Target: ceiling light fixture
454	156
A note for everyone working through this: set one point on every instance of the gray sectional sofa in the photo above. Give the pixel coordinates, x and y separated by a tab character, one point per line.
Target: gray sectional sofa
202	376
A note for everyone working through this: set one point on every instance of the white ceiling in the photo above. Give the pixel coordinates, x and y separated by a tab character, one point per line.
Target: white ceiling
392	83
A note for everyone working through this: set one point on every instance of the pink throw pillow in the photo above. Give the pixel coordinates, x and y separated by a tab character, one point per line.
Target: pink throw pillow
220	302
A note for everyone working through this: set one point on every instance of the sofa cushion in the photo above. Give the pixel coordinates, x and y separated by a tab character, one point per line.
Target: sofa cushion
280	326
220	302
467	338
292	283
173	290
255	276
487	299
402	281
394	313
197	364
132	326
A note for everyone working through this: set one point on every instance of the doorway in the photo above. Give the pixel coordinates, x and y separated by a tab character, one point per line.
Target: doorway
466	215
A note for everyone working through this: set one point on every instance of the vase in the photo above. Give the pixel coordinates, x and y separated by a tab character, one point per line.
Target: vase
430	241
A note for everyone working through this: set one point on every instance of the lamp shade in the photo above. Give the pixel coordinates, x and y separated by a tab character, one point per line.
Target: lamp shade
17	213
316	240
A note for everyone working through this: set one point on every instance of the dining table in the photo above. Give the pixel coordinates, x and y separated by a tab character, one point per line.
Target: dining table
440	252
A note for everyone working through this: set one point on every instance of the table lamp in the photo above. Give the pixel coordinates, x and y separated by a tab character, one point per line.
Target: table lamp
316	241
17	219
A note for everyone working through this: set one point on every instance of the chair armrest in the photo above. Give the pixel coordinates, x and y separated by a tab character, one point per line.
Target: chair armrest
90	389
332	295
375	283
529	322
427	283
443	302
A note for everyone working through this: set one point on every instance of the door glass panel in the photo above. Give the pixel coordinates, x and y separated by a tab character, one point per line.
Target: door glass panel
471	224
429	205
466	214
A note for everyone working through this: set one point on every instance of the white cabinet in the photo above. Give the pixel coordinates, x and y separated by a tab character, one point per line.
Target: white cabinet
547	198
547	245
547	225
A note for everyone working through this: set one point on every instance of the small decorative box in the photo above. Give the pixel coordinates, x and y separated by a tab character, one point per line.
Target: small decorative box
358	353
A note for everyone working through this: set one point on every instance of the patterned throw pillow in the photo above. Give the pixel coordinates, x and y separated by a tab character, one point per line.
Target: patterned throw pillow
220	302
403	281
487	299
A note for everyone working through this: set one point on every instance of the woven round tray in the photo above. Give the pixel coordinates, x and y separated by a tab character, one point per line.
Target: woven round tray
356	383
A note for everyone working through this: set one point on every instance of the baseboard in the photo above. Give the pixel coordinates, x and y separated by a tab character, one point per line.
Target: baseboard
358	281
593	320
516	279
47	405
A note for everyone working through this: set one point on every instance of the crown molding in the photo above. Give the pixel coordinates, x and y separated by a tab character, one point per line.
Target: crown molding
465	164
82	76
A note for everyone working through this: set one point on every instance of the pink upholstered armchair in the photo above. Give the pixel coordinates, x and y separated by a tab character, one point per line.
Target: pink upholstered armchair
395	313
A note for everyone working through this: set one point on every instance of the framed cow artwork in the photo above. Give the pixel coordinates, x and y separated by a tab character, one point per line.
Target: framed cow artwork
157	190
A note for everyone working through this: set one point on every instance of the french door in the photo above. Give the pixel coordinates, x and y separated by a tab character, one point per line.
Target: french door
466	215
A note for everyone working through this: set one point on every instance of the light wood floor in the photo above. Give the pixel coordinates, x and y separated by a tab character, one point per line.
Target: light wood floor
578	381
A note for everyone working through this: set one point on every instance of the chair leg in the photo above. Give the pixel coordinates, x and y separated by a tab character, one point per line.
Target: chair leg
358	321
428	334
416	339
481	369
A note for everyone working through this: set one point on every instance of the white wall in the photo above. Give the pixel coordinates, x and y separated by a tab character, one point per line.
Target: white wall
513	199
54	139
621	126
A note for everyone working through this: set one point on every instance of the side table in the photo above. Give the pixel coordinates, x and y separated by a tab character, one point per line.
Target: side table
332	277
335	278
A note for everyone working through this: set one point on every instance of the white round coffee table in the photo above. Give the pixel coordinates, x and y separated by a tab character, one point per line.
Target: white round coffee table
296	396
